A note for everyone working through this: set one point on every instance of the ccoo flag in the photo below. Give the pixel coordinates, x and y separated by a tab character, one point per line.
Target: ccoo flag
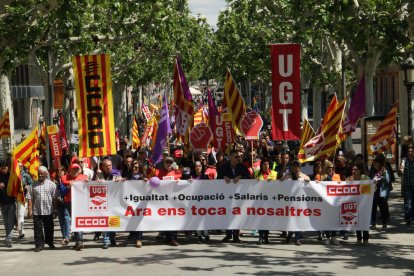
92	76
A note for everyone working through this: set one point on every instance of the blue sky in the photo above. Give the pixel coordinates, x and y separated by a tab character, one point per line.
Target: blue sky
208	8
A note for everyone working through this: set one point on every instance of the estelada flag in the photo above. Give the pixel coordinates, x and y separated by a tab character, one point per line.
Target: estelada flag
15	187
27	153
385	134
5	125
135	135
96	129
232	100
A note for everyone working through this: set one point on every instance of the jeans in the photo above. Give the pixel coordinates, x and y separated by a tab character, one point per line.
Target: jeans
21	210
64	219
408	202
382	203
107	237
8	211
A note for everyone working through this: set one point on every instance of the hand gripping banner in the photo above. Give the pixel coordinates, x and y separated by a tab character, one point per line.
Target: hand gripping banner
94	105
211	204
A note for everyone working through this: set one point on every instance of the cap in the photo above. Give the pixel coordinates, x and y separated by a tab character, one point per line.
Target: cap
178	153
74	166
165	151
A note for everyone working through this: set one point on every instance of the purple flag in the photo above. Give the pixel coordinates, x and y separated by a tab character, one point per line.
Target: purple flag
164	128
356	110
183	82
212	111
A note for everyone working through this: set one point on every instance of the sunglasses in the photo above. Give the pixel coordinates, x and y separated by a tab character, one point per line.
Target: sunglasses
135	167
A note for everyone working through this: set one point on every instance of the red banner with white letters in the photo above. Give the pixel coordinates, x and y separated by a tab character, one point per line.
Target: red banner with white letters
286	91
54	144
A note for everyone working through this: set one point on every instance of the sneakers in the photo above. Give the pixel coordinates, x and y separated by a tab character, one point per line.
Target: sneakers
64	242
8	244
334	241
173	243
105	246
78	246
138	244
298	243
226	239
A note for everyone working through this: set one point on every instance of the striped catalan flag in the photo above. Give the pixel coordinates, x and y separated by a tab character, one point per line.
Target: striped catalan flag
385	134
27	153
183	103
135	135
154	131
15	187
5	125
327	140
232	100
42	137
198	116
307	134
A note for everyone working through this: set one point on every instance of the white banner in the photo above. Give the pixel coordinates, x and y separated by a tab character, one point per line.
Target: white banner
213	204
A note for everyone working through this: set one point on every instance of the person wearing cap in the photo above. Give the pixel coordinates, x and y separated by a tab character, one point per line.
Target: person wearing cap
7	203
165	153
42	197
164	173
84	168
74	174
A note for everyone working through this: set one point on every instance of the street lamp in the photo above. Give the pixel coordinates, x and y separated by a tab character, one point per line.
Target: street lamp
408	68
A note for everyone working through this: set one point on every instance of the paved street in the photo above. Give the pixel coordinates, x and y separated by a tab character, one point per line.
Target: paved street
390	253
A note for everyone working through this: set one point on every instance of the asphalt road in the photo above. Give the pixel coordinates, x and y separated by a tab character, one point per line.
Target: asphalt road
389	253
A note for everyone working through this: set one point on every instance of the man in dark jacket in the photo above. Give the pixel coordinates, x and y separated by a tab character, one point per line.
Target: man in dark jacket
233	170
7	203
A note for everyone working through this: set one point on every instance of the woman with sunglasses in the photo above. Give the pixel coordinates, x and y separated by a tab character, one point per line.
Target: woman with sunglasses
357	175
136	173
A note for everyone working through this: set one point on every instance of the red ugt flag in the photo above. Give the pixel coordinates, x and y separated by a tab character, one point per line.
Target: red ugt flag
286	91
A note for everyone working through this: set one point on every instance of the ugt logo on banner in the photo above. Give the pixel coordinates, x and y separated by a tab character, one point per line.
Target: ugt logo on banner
286	91
200	137
98	197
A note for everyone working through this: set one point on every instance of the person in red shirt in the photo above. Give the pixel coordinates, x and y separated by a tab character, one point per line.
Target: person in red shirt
166	172
73	175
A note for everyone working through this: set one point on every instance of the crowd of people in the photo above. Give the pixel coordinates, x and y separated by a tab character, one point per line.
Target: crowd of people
50	196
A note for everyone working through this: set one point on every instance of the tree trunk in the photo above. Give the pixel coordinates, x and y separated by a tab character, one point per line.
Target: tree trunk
118	96
6	104
317	107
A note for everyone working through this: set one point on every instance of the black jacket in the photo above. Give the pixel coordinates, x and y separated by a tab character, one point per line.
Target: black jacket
240	170
4	198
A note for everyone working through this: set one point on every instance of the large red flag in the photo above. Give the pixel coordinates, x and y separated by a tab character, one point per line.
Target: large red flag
286	91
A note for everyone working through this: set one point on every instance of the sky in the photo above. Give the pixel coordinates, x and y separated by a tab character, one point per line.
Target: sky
208	8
